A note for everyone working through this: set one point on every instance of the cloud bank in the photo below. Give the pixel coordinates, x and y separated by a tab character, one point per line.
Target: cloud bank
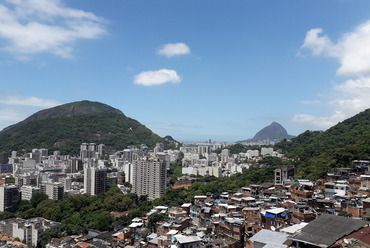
28	101
170	50
15	108
150	78
353	54
35	26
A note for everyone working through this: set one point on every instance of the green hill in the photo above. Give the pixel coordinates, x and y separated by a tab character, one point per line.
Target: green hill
66	126
319	152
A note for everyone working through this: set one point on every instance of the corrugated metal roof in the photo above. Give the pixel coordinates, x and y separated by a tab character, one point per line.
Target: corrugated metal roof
327	229
273	239
275	210
294	228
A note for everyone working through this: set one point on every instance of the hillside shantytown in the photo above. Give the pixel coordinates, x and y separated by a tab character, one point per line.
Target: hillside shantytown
39	188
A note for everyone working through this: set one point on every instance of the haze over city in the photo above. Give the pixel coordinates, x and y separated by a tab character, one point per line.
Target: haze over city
190	69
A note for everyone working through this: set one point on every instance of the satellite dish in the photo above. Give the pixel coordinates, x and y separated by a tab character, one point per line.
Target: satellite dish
273	228
346	241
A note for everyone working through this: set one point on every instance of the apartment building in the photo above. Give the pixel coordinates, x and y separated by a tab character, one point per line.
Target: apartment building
95	179
149	177
9	197
53	190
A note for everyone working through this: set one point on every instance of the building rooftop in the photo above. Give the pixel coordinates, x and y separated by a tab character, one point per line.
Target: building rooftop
327	229
187	239
293	229
275	210
270	238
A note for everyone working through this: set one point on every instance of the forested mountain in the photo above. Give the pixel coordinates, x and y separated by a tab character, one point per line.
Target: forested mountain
320	152
66	126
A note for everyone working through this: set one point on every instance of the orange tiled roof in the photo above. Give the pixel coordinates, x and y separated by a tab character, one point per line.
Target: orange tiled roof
83	244
6	238
121	236
120	214
19	243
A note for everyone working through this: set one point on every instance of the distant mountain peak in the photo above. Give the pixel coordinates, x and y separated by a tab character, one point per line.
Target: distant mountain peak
274	131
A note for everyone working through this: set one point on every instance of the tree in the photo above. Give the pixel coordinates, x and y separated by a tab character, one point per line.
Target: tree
6	215
46	236
154	218
37	198
10	180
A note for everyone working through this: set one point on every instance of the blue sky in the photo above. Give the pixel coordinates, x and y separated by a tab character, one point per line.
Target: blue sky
196	70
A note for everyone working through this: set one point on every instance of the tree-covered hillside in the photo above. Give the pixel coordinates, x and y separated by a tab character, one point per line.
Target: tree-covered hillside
65	132
320	152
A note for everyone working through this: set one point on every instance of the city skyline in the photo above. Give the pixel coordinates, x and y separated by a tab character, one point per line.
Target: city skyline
193	70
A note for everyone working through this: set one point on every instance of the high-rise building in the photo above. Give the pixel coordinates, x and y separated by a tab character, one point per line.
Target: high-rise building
149	177
165	157
101	150
75	165
283	174
93	147
91	150
95	179
9	197
28	191
54	191
3	158
36	155
202	150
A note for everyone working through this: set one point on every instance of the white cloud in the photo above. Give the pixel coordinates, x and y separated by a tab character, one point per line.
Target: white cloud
149	78
170	50
28	101
11	115
319	122
15	108
348	99
318	45
352	50
34	26
353	96
353	53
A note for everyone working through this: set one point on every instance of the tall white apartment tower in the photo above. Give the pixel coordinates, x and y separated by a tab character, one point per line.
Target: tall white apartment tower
53	190
149	177
101	150
95	179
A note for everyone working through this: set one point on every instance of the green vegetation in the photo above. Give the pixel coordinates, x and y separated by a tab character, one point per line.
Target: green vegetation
320	152
6	215
175	171
46	236
274	161
57	130
10	180
79	213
